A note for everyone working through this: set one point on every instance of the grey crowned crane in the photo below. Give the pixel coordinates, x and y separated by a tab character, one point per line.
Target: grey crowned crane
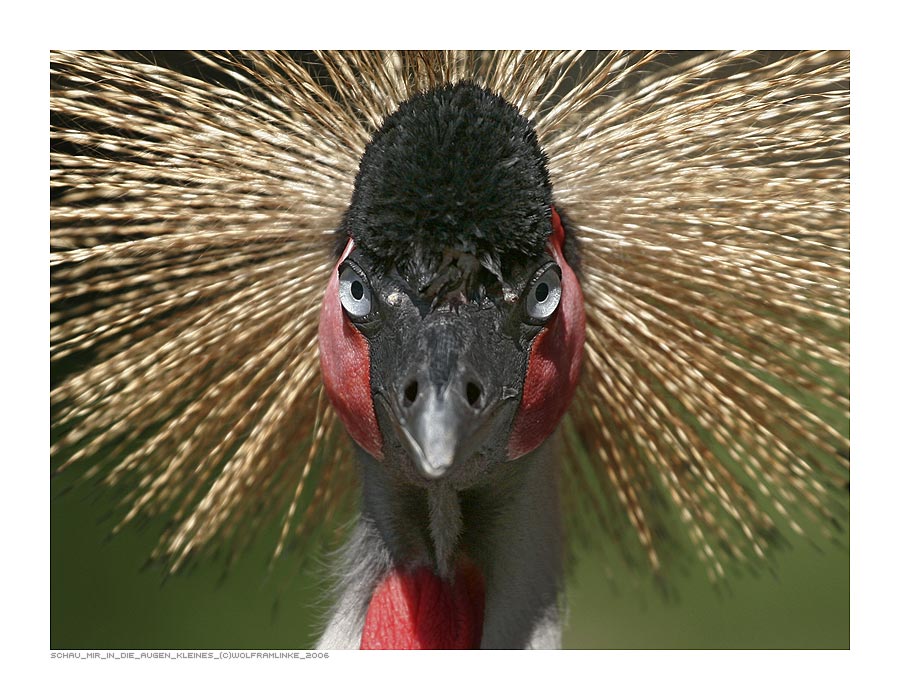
486	296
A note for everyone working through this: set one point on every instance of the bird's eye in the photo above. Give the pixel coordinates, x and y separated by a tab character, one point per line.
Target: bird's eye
356	295
544	294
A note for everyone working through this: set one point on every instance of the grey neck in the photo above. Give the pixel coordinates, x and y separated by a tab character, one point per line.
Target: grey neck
509	526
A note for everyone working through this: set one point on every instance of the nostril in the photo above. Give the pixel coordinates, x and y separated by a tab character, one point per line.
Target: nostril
473	393
411	391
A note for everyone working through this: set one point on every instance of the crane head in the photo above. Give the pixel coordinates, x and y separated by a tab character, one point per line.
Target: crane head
452	327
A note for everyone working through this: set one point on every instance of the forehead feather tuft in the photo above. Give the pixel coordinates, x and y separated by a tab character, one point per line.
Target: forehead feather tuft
455	170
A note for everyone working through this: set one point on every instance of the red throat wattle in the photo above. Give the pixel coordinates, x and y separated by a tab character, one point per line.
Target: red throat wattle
418	610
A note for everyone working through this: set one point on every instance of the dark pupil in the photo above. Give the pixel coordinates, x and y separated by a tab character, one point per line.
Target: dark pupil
356	290
542	292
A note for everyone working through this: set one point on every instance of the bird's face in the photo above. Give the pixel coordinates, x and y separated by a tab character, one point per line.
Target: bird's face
452	326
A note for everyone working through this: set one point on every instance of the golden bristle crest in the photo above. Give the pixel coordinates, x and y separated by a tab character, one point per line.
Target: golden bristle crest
192	232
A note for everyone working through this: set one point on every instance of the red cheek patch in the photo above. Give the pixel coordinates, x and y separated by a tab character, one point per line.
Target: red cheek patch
554	363
344	359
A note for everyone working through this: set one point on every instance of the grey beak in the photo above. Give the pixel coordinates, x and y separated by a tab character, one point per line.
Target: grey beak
434	428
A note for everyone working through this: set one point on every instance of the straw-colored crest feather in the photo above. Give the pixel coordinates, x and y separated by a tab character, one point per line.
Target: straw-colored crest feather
193	219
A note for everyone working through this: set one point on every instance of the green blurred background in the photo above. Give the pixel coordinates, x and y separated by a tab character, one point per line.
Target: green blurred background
101	599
